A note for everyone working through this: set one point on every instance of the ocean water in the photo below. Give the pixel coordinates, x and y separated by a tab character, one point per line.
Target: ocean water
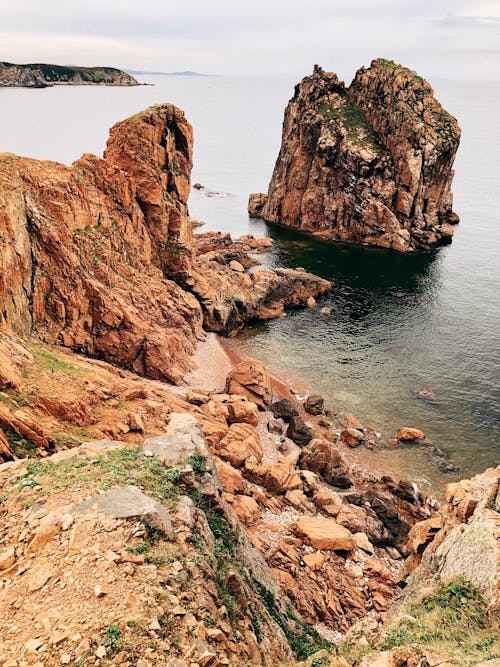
398	322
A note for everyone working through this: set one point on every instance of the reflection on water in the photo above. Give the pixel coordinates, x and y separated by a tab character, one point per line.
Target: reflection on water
384	340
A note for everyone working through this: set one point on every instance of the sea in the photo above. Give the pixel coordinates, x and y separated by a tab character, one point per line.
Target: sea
398	322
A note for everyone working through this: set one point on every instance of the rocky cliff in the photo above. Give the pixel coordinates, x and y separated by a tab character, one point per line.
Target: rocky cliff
42	75
370	163
99	256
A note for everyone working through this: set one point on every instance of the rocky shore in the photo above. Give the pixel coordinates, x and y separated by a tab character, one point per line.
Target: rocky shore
370	163
41	75
152	513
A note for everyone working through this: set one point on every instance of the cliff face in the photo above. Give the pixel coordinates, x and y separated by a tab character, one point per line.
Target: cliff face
371	163
41	75
99	256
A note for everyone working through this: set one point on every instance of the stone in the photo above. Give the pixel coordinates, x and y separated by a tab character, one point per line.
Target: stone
231	479
246	509
127	502
314	561
243	411
39	576
352	437
323	458
283	409
314	404
236	266
384	134
311	302
322	533
240	443
328	500
33	645
407	434
362	542
169	448
251	379
275	426
298	431
276	477
7	558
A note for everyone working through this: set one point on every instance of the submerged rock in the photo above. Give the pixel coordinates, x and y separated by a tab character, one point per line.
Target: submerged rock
371	163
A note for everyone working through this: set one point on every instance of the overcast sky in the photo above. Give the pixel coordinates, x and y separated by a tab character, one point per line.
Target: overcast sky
457	39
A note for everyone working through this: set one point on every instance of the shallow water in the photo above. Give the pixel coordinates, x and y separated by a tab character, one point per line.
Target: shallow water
399	322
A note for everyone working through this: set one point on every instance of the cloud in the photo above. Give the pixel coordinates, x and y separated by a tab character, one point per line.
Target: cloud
262	37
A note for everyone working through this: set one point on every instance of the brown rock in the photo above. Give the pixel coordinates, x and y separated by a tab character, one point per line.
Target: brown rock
351	437
315	404
239	444
408	434
7	558
388	137
231	479
326	534
276	477
298	431
246	509
283	409
256	204
314	561
323	458
251	379
243	411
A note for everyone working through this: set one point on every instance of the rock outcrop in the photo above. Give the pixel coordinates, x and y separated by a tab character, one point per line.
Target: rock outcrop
41	75
99	256
371	163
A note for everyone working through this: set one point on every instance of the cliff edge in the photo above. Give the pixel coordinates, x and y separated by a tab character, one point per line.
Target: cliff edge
370	163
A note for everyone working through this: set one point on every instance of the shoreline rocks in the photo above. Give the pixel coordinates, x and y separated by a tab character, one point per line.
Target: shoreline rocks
370	163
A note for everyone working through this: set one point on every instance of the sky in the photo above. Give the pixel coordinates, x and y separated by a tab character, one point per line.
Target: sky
454	39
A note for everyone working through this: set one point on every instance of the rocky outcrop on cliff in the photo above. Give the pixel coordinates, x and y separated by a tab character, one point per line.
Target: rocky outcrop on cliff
42	75
99	256
370	163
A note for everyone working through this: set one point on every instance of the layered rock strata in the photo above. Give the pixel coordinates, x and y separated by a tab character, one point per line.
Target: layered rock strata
99	256
370	163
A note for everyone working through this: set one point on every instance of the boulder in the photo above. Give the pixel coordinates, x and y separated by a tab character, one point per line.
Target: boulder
251	379
231	478
243	411
240	443
127	502
314	561
352	437
407	434
283	409
276	477
315	404
256	203
298	431
323	458
322	533
246	509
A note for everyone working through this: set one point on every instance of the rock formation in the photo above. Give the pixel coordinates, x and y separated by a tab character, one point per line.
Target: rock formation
100	257
42	75
371	163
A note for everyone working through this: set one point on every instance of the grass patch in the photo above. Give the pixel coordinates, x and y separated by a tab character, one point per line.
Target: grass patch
113	637
117	468
46	360
453	618
358	130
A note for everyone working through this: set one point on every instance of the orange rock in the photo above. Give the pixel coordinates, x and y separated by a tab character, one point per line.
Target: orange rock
314	561
243	411
322	533
251	379
239	444
246	509
213	432
231	479
276	477
351	437
408	434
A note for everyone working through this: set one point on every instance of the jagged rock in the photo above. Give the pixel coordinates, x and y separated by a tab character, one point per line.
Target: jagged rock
314	404
231	479
240	443
369	164
251	379
246	509
127	502
352	437
323	533
243	411
283	409
322	457
276	477
298	431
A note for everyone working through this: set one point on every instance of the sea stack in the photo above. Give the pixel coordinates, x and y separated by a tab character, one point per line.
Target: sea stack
370	163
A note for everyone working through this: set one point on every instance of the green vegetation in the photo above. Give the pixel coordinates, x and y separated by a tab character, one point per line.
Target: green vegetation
116	468
358	130
198	462
62	74
454	618
46	360
20	447
113	637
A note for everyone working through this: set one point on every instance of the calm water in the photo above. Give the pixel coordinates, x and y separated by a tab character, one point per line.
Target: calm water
399	323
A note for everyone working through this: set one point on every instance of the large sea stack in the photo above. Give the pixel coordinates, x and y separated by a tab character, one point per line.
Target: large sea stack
370	163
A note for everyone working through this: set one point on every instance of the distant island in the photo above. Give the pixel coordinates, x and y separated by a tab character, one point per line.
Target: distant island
185	73
39	75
